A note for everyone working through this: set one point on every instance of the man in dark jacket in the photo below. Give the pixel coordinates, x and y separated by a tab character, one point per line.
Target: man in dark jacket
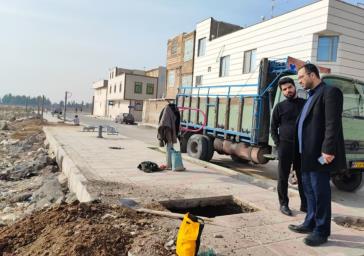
320	145
283	128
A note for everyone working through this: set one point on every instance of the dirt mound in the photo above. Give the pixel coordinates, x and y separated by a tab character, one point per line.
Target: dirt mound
83	229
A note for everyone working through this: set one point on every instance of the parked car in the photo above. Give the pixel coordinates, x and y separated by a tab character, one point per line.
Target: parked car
56	111
126	118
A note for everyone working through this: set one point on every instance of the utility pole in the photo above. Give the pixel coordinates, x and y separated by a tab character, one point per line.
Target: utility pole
272	9
38	110
42	107
65	106
26	106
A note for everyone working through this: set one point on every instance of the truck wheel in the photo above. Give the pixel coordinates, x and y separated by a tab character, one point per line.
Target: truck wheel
210	148
348	181
183	142
239	160
197	147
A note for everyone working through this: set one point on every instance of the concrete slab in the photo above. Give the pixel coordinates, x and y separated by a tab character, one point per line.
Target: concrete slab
94	170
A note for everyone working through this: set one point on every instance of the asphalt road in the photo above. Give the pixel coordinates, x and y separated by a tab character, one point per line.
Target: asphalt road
266	171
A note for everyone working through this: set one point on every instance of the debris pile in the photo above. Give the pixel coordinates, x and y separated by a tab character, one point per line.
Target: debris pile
85	229
29	176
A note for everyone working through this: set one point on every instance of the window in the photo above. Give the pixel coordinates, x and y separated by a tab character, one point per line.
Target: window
188	50
201	47
110	89
199	80
170	81
120	87
249	61
138	87
174	47
224	66
327	48
150	88
115	88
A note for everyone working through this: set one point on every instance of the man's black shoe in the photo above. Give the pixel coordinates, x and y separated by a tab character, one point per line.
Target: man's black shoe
315	240
285	210
299	229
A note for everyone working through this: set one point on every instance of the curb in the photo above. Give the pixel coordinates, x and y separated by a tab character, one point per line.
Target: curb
259	182
76	181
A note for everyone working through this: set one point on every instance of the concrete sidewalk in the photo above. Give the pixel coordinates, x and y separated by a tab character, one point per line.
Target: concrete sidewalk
95	170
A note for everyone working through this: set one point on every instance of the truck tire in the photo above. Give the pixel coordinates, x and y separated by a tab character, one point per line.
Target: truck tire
348	181
184	141
210	148
239	160
197	147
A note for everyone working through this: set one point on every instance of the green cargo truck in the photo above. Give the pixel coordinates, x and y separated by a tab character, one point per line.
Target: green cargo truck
235	119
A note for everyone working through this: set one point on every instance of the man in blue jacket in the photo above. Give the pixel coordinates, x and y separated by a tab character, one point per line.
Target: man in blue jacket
319	146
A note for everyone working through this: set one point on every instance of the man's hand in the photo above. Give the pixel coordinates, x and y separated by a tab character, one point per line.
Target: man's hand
327	158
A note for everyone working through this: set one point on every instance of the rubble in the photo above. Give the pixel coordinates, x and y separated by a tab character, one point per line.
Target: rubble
28	175
39	215
83	229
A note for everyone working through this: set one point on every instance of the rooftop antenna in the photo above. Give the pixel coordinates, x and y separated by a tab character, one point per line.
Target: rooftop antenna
272	9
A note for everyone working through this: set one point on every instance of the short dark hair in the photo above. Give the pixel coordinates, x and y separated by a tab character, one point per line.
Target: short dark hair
285	80
311	68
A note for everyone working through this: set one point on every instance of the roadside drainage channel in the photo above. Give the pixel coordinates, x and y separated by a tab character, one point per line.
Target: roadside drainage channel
350	222
209	207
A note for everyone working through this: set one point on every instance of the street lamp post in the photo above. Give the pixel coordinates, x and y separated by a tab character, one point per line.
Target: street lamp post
65	105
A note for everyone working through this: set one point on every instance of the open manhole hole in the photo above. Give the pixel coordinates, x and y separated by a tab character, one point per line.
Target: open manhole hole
350	222
209	206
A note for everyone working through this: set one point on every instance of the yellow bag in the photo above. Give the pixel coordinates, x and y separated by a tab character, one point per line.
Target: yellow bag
189	234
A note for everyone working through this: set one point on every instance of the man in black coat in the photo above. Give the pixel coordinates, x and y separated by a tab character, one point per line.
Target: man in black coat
319	145
283	128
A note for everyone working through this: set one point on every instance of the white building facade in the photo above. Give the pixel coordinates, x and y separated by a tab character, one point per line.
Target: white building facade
99	98
329	33
126	93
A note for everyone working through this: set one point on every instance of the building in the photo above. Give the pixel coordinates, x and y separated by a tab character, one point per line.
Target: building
100	98
179	62
124	92
329	33
159	72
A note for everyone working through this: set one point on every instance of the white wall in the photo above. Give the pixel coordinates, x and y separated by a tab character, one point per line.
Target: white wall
292	34
100	91
120	106
347	21
117	82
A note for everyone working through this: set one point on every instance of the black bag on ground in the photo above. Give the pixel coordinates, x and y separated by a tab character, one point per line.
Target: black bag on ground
148	166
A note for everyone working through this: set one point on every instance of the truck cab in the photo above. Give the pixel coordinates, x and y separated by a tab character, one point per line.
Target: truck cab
353	124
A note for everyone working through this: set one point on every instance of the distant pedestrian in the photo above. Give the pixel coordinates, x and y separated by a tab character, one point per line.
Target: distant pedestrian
283	127
320	148
168	129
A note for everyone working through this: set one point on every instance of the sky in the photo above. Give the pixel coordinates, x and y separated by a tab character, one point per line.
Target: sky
52	46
